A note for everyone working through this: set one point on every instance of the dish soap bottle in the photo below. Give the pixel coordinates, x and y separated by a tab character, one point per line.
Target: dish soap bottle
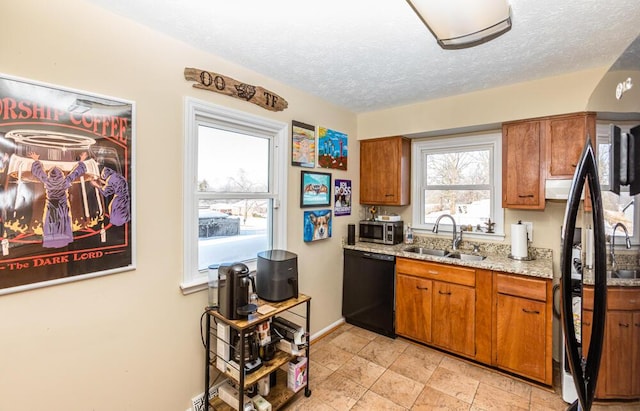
408	235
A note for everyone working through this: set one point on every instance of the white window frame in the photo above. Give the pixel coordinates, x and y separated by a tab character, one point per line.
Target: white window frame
487	140
197	113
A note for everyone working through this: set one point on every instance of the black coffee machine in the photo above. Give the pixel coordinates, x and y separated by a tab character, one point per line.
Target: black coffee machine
233	291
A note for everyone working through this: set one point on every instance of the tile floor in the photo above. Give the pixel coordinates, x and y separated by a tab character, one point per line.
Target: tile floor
355	369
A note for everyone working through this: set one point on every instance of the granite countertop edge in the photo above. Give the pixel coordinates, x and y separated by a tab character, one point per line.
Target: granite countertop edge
588	279
540	268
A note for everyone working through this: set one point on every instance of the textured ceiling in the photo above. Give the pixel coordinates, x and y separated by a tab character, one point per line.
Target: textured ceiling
365	55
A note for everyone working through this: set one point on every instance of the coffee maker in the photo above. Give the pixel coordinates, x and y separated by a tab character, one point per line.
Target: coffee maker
233	291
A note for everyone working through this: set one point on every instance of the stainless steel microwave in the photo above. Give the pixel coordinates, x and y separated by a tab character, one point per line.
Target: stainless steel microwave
381	232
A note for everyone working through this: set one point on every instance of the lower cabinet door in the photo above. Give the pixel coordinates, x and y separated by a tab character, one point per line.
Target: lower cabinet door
587	325
413	307
454	313
520	336
619	357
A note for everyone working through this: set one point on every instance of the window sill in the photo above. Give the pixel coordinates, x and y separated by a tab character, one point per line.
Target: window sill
202	282
465	236
194	286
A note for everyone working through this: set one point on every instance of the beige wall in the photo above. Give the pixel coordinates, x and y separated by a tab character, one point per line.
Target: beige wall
549	96
131	341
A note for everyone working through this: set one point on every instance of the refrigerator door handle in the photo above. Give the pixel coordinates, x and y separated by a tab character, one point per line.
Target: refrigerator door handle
584	370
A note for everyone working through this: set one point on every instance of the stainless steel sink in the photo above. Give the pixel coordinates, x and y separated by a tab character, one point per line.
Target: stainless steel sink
466	257
627	274
427	251
444	253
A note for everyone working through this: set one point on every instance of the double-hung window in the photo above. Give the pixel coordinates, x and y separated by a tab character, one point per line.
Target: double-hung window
234	189
460	176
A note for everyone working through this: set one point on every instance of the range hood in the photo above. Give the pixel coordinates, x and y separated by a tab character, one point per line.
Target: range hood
558	190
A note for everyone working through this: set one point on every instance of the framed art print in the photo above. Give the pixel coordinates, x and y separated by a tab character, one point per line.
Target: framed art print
317	225
66	178
315	189
303	145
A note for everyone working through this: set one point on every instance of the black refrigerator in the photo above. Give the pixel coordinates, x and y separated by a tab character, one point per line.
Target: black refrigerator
624	170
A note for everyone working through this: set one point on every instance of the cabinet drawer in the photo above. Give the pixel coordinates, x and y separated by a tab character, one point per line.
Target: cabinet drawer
435	271
522	287
627	298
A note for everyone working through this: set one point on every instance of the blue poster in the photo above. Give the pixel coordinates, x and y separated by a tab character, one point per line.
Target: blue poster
317	225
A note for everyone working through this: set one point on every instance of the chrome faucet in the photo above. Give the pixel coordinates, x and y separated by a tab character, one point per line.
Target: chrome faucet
456	239
613	242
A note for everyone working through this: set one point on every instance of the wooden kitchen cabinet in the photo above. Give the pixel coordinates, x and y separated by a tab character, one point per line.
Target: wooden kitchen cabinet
540	149
453	310
522	165
385	171
619	375
522	326
565	139
413	302
438	304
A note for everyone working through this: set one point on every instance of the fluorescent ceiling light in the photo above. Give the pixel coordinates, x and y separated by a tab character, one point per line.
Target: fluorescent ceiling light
463	23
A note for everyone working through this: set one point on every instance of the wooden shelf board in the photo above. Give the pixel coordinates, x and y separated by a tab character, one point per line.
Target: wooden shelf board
278	395
257	318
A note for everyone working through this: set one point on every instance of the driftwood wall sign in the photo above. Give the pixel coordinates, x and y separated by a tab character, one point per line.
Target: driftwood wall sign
218	83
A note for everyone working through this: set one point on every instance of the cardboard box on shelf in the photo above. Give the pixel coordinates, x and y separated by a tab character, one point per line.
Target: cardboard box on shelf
230	395
261	404
297	375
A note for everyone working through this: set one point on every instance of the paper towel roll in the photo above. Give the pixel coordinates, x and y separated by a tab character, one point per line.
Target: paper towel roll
519	243
588	249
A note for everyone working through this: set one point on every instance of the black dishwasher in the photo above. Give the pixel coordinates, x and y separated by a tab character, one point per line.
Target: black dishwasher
368	291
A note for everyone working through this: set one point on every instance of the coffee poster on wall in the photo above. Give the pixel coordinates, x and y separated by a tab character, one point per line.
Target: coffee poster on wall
66	199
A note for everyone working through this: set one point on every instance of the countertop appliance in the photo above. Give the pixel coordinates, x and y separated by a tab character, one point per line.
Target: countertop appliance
381	232
277	275
233	291
368	291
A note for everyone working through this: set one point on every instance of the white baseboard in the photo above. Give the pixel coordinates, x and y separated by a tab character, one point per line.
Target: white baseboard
327	329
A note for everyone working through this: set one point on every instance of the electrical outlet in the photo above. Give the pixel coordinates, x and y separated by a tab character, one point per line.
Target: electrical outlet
198	403
529	230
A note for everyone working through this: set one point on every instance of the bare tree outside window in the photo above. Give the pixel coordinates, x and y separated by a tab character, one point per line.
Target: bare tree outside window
234	201
458	183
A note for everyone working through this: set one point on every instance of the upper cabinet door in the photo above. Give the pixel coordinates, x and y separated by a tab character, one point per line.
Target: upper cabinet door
565	140
522	166
385	171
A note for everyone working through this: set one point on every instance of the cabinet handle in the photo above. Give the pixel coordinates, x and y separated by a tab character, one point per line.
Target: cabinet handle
526	196
421	288
433	272
524	310
444	293
586	323
623	325
574	165
388	195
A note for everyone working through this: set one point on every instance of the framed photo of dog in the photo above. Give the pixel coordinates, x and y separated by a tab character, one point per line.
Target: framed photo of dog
315	189
317	225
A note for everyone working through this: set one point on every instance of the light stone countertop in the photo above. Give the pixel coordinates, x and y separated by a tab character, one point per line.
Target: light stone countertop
540	267
588	276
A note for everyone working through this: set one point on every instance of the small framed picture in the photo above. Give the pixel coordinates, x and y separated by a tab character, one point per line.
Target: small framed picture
317	225
315	189
342	197
303	145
